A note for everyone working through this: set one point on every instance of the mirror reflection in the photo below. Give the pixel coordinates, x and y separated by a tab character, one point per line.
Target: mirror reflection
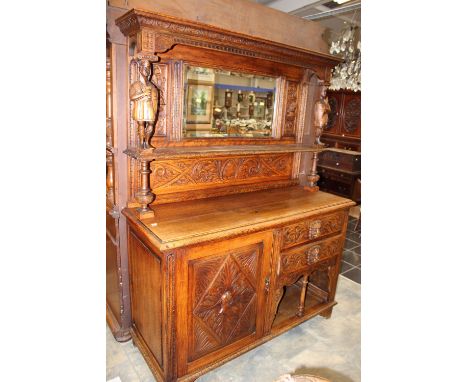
221	103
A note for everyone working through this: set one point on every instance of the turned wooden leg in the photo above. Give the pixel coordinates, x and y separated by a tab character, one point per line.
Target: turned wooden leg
144	195
300	308
313	177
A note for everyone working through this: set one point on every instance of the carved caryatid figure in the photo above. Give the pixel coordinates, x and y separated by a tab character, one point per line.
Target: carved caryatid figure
144	95
321	110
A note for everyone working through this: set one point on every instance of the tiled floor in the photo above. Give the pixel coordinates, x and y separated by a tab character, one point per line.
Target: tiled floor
351	260
327	348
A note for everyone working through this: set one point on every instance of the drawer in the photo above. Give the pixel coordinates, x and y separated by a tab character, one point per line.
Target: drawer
311	229
334	187
339	160
307	256
335	175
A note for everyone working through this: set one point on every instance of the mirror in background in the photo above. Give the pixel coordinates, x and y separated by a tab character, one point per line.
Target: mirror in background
221	103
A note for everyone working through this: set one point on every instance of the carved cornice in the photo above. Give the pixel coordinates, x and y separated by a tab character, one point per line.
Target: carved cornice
159	33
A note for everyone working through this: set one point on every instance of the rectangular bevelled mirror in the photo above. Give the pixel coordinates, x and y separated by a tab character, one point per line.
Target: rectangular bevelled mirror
221	103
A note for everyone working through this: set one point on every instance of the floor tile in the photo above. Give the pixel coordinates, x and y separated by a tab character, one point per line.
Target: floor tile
354	236
345	267
351	258
350	244
353	274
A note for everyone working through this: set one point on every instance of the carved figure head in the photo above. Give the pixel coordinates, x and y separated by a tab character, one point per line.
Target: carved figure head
145	68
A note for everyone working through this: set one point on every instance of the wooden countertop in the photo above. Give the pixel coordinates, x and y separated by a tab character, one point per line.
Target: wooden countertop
191	222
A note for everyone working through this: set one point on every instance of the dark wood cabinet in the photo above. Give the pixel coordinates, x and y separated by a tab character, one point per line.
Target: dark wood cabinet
343	130
340	171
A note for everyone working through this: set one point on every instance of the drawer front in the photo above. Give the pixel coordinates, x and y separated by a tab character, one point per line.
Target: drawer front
307	256
311	229
338	188
343	161
335	175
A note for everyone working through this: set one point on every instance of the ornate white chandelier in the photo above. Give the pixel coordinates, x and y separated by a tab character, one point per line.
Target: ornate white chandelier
347	75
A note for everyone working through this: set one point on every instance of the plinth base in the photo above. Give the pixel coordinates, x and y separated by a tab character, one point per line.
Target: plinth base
145	214
311	189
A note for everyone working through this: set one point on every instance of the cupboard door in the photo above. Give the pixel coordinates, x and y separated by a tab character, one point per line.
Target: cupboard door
333	125
351	125
226	290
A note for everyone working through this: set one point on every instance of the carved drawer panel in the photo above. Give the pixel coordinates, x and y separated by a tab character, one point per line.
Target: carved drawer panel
309	255
311	229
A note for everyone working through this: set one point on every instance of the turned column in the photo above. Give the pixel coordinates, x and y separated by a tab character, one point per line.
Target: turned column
300	308
144	196
313	176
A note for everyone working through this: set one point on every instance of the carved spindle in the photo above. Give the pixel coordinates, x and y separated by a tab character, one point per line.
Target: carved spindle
144	195
300	308
313	177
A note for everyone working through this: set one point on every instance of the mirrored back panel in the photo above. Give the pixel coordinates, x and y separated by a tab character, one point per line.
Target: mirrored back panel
221	103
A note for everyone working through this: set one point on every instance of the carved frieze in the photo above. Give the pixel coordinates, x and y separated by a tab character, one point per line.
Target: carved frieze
185	173
172	31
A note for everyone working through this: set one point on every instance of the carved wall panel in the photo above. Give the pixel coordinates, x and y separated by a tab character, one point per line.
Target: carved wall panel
224	298
185	174
352	115
160	72
289	129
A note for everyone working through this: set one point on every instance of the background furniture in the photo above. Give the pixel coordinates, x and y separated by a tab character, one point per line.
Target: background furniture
344	121
339	166
226	249
339	172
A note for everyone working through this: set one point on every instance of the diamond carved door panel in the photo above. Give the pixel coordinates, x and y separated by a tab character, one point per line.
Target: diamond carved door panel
226	291
225	299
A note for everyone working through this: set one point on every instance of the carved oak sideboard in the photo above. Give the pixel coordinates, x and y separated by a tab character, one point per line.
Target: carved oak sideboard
230	241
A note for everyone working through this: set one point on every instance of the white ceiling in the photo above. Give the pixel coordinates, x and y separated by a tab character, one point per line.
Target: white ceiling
333	23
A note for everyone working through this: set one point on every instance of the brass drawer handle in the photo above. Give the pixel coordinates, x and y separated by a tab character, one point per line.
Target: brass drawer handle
314	229
313	255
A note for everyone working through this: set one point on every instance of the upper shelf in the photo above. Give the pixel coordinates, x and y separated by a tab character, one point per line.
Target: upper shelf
212	151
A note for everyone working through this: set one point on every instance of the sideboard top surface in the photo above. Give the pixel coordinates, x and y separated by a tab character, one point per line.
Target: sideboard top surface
192	222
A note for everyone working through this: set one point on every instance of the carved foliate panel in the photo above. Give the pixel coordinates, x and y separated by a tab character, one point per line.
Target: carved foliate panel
333	115
224	300
186	174
159	78
291	109
311	229
352	115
